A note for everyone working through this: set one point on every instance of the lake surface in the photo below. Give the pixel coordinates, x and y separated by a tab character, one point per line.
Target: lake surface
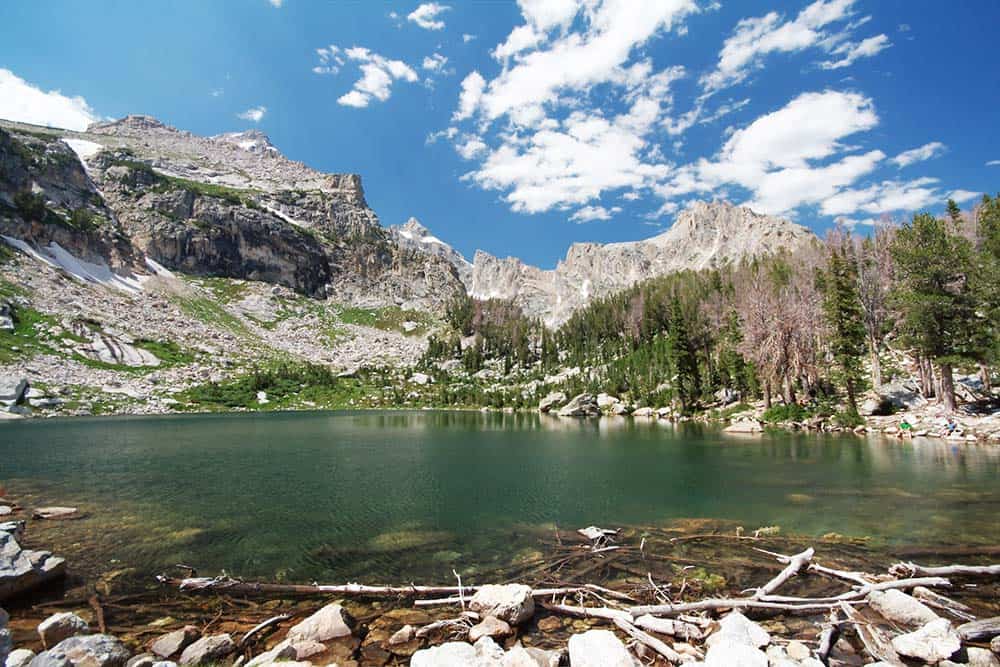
406	496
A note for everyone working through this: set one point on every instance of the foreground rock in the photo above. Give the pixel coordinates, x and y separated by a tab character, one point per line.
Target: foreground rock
58	627
553	400
489	627
330	622
85	651
174	642
12	389
21	657
600	648
745	426
932	643
511	602
23	569
208	650
901	608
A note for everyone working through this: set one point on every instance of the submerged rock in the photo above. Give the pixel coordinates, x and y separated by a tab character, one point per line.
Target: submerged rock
24	569
600	648
58	627
489	627
509	602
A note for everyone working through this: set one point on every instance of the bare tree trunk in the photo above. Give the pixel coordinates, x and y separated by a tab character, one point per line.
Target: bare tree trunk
926	377
947	387
788	390
767	394
984	376
876	366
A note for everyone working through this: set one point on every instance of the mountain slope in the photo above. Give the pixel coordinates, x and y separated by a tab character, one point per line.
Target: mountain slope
705	235
414	236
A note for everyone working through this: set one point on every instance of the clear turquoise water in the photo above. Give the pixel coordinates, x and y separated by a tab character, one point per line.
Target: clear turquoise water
396	495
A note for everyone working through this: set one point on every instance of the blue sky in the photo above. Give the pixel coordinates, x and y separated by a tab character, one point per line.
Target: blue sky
519	128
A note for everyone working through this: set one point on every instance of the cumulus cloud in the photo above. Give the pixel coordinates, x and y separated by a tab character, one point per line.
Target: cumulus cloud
993	163
919	154
21	101
472	91
589	213
426	15
254	114
467	37
434	62
756	37
378	73
884	197
276	3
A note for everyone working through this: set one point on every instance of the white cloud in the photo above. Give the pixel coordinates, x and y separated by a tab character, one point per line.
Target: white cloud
21	101
589	213
254	115
919	154
217	92
466	37
756	37
993	163
849	51
426	15
962	196
276	3
471	147
377	73
884	197
472	91
434	62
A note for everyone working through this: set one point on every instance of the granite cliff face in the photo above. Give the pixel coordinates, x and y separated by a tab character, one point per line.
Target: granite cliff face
415	237
704	236
229	206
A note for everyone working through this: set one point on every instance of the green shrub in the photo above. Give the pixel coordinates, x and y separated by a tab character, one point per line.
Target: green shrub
784	413
31	206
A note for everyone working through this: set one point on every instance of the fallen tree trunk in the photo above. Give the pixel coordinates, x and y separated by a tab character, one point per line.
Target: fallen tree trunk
794	564
912	569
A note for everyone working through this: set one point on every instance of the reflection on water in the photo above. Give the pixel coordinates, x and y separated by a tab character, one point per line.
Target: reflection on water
393	495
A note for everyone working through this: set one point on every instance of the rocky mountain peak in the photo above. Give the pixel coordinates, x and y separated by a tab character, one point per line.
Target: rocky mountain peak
413	236
253	141
130	126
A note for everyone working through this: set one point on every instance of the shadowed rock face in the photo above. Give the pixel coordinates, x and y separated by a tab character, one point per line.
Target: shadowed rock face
230	206
707	235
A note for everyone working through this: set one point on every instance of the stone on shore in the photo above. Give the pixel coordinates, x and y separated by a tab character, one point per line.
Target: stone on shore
24	569
330	622
489	627
745	426
901	608
732	653
174	642
512	603
995	645
84	651
977	657
643	412
404	635
13	389
485	653
581	405
552	400
736	627
142	660
21	657
934	642
60	626
208	650
600	648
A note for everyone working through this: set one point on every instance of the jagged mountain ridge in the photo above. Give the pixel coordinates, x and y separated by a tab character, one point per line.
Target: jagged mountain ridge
414	236
706	235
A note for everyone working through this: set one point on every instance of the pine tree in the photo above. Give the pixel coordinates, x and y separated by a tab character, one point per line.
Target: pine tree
986	286
681	358
933	263
842	311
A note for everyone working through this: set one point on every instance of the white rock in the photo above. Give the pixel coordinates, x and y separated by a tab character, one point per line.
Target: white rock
489	627
932	643
600	648
732	653
452	654
208	650
797	650
745	426
421	378
58	627
901	608
328	623
736	627
19	658
510	602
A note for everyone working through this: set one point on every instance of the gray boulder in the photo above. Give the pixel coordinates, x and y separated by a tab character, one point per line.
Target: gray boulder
84	651
142	660
934	642
24	569
600	648
581	405
13	389
330	622
512	603
60	626
6	316
745	426
731	653
736	627
208	650
489	627
485	653
174	642
901	608
552	400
